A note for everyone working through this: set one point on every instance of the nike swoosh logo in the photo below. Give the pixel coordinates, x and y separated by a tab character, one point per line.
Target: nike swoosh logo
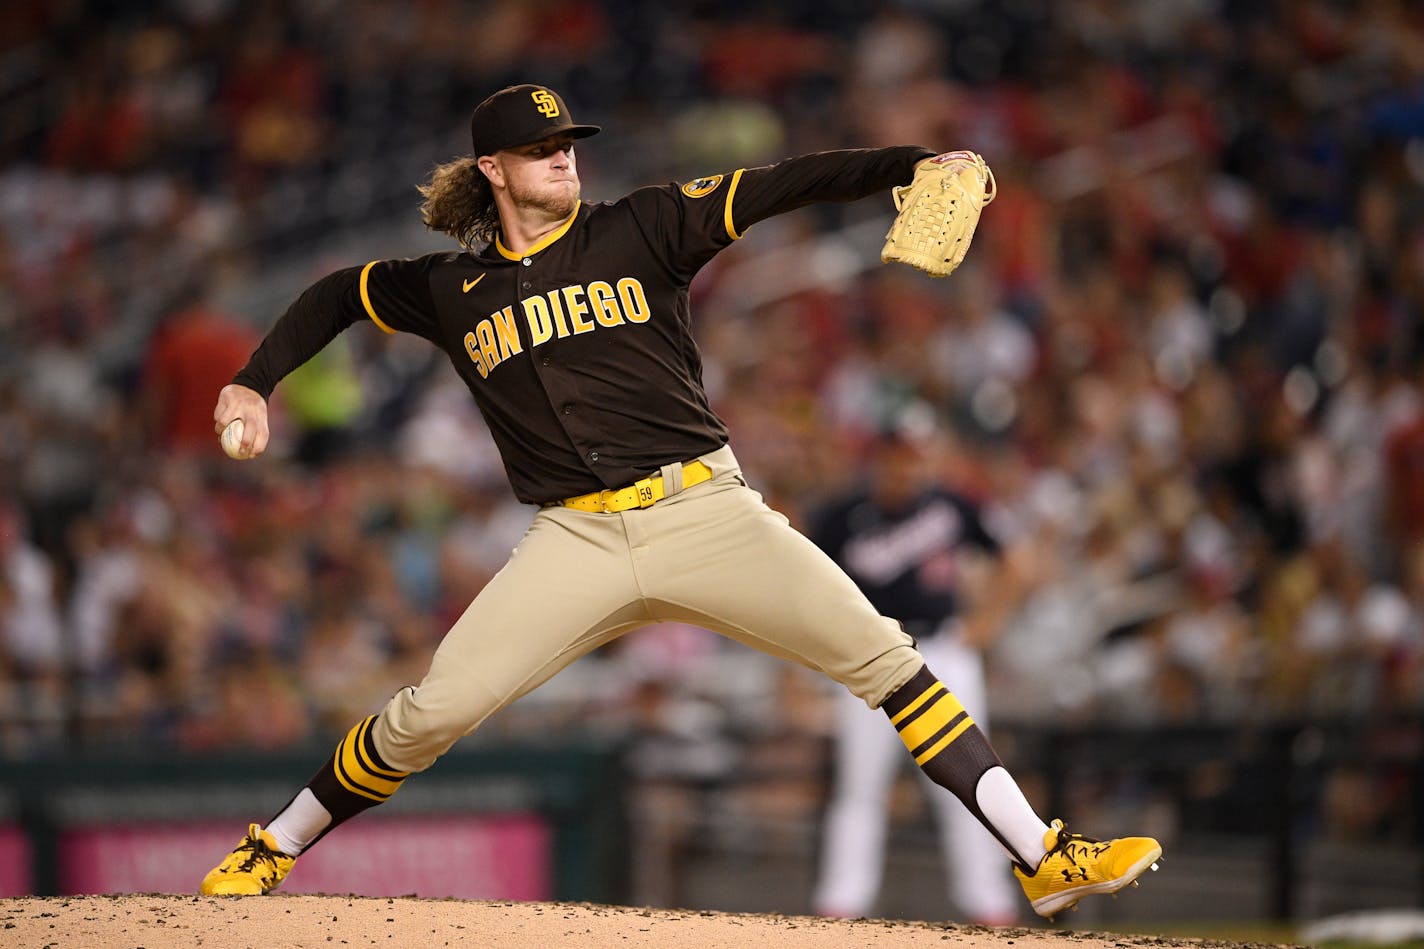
470	284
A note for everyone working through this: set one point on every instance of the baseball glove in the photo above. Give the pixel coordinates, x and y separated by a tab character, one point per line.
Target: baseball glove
938	212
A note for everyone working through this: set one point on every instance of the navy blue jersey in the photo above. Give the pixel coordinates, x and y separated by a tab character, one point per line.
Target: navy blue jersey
908	560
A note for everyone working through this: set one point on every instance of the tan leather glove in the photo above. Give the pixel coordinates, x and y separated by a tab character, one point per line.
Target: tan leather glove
938	212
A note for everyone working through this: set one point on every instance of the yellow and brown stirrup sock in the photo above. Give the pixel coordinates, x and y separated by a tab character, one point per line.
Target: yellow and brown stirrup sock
944	740
353	780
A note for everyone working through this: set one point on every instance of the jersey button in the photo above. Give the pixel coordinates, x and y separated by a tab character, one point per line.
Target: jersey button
527	285
593	456
526	261
545	360
568	410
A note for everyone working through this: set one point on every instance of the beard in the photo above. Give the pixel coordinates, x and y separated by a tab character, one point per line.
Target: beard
555	200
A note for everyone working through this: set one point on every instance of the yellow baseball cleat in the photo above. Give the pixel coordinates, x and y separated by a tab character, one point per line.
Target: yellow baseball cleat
254	868
1077	866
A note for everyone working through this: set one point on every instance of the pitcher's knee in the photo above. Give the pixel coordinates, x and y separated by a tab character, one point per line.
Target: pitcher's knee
413	730
876	680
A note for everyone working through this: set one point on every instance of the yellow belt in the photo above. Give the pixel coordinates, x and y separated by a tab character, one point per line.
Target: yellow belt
644	493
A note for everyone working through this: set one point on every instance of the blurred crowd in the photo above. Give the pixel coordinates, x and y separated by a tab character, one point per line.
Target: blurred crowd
1181	369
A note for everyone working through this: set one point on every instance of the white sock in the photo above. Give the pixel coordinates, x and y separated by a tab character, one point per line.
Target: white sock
299	823
1008	812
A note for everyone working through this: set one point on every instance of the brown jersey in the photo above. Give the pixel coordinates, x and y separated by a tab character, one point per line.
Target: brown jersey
579	352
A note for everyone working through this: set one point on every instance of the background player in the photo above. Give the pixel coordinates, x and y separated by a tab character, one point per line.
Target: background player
568	321
903	540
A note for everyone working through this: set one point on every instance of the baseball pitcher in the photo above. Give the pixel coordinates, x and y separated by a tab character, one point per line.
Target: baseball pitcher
568	321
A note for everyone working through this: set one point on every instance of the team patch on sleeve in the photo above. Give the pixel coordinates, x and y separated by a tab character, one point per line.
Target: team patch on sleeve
701	187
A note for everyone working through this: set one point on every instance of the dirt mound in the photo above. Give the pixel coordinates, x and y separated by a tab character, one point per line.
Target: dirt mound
182	922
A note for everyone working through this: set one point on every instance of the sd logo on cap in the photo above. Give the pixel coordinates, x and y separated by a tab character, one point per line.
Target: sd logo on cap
518	115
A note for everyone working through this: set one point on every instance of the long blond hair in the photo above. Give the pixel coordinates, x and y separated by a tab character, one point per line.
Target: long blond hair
460	202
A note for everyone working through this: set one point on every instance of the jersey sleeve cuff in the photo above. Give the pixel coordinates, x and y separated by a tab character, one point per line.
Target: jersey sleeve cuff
366	298
727	221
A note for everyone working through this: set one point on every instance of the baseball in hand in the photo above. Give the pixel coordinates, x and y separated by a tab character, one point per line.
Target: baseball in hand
232	440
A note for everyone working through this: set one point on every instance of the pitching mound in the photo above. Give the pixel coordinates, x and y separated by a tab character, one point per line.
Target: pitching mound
159	922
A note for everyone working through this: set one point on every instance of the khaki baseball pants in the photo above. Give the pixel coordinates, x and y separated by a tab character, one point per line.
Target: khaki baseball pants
713	555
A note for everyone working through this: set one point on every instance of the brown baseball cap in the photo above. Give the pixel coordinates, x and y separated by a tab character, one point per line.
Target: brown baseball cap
518	115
